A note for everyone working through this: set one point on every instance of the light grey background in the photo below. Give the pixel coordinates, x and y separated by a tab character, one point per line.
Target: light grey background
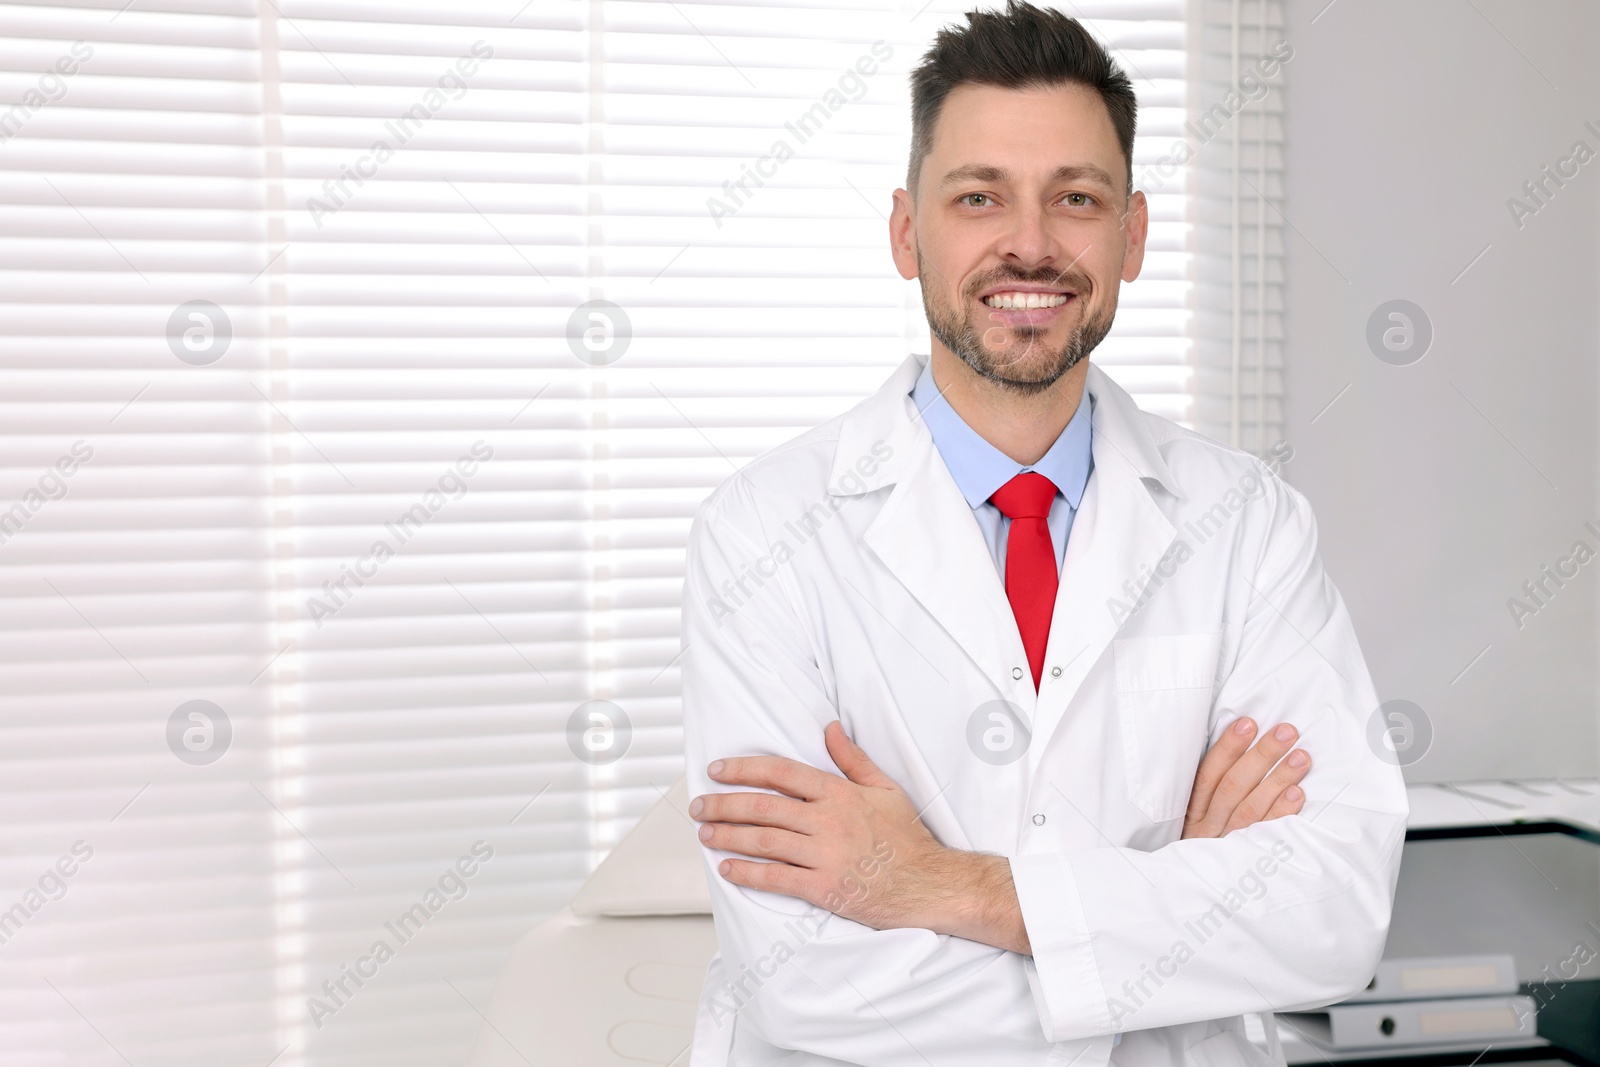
1440	487
1535	897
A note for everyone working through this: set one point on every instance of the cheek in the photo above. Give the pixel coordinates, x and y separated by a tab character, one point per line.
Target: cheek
1107	266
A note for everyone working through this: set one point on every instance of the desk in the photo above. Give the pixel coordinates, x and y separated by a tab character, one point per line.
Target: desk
1501	814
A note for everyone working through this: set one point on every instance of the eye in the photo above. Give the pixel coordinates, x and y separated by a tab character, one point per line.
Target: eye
1079	199
969	196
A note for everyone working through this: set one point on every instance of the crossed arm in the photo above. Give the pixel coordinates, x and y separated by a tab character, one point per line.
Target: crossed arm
855	846
1101	917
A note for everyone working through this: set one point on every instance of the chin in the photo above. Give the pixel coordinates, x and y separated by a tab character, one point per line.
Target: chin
1037	358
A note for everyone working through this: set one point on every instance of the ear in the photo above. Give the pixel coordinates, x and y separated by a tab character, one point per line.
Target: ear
1135	228
903	235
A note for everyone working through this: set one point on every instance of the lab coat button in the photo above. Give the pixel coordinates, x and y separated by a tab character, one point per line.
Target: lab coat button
1055	672
1038	820
1016	672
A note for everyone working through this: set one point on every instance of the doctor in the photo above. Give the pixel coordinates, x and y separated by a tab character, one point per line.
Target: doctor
954	659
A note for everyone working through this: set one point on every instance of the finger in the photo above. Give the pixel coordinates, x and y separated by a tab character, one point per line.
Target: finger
1260	800
1288	803
787	776
760	842
754	809
1233	743
771	877
851	758
1246	774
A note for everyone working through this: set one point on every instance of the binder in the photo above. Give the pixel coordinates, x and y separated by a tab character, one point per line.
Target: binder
1417	1022
1429	977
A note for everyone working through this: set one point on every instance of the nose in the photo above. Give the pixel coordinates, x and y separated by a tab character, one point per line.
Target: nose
1038	248
1027	238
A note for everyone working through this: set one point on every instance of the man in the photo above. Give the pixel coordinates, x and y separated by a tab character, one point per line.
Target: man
953	660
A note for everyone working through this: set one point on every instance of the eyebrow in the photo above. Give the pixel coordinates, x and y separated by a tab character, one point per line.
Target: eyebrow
984	172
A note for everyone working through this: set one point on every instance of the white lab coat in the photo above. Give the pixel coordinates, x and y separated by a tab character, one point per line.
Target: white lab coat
842	575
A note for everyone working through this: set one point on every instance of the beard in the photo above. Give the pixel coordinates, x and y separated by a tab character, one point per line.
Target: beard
1035	369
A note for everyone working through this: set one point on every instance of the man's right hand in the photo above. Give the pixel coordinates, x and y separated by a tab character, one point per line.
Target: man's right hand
1238	785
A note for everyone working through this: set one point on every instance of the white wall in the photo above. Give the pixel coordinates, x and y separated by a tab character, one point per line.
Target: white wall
1409	126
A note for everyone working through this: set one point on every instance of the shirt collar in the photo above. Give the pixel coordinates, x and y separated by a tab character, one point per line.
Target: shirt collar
980	469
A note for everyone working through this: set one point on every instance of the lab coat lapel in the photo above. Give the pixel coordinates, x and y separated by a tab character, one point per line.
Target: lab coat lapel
1118	536
928	538
925	534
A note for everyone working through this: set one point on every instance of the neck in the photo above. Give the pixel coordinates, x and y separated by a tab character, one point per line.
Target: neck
1023	426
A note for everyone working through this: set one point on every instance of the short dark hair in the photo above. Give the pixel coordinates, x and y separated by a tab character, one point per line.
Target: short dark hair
1026	47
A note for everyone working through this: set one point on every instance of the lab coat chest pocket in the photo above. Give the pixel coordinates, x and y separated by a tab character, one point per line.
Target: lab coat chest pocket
1164	691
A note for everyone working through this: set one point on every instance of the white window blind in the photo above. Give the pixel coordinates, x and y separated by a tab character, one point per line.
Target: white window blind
305	279
1238	65
130	183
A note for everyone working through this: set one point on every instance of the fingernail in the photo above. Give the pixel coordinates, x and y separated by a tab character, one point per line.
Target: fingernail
696	806
1284	732
725	868
1293	794
715	768
705	832
1298	759
1243	726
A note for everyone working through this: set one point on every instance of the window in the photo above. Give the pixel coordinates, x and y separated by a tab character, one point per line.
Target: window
328	508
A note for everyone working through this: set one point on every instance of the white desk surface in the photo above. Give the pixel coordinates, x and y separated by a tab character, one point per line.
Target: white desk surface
1443	805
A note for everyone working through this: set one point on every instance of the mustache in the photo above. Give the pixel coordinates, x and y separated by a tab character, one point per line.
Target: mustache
1074	281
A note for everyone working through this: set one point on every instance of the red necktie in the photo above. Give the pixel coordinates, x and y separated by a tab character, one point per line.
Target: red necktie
1031	577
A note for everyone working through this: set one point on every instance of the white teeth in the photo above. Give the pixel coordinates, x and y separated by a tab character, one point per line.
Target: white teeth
1025	300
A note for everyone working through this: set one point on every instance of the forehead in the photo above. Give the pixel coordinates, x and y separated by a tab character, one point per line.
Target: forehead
1029	133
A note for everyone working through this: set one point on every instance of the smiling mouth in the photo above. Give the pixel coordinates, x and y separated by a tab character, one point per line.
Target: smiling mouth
1018	301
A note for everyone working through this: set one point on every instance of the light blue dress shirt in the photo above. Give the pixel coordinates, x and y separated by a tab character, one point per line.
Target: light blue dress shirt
980	468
